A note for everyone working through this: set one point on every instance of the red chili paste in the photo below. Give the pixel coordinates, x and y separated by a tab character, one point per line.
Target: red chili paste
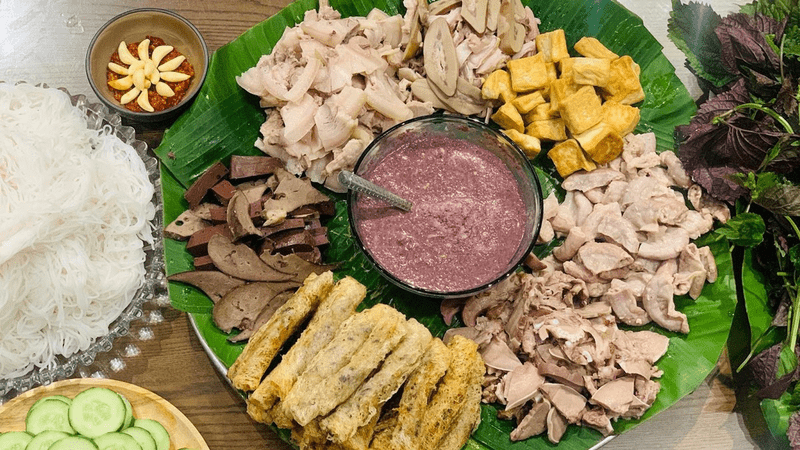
467	221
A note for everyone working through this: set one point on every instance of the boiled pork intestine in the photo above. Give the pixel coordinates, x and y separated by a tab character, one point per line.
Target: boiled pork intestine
626	252
331	84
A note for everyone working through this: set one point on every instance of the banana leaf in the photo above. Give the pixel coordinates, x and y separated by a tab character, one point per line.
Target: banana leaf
224	120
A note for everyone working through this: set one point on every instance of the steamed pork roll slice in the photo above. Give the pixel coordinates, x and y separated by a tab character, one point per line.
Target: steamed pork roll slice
365	404
319	389
421	384
466	371
249	367
339	304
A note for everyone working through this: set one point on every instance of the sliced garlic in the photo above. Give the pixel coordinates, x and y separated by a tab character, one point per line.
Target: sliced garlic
138	65
138	79
124	55
174	77
149	68
144	102
164	90
122	83
144	47
129	96
172	64
160	52
116	68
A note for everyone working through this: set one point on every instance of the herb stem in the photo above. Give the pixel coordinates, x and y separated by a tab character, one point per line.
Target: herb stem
768	111
795	311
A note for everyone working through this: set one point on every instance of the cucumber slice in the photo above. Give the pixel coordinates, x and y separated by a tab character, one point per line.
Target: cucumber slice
142	436
14	440
45	439
49	415
73	443
116	441
59	398
128	422
96	411
157	430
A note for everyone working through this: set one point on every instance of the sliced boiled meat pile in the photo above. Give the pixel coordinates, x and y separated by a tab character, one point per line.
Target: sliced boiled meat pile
550	341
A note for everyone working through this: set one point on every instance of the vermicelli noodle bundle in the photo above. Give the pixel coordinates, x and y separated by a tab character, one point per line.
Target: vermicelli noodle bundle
74	210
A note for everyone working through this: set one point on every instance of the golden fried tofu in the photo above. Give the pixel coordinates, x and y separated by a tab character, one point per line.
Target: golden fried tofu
592	48
527	74
526	103
542	112
547	130
497	86
508	117
623	84
565	67
568	157
591	71
622	118
581	110
529	144
601	142
560	89
553	45
249	367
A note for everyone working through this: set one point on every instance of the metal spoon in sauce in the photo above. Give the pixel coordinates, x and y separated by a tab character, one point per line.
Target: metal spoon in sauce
356	183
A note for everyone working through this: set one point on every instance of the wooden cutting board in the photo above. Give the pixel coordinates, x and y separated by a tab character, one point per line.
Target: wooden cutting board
146	405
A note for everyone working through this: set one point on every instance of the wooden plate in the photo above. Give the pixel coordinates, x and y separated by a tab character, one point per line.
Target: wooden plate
146	405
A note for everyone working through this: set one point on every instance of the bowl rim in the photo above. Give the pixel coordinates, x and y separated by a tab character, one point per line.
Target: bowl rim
464	292
140	115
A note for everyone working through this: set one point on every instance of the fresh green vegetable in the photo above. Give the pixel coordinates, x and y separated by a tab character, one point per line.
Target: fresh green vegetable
73	443
97	411
49	415
116	441
45	439
743	147
14	440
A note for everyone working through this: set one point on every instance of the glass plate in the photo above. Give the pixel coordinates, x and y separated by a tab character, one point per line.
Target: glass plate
154	289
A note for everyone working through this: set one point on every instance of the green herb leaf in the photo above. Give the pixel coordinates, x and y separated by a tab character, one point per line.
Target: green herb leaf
776	414
787	362
745	229
691	27
782	199
756	301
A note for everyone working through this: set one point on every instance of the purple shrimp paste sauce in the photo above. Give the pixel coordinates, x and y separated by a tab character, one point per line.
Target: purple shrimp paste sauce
467	221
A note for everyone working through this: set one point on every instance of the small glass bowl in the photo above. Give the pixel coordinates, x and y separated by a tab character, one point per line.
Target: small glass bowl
473	131
133	26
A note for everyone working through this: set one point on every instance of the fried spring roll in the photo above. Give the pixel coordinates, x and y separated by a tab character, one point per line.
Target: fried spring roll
365	404
416	394
466	422
249	367
319	390
466	369
339	304
382	437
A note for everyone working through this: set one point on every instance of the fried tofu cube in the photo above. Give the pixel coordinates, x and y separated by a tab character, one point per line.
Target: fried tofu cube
552	72
527	74
592	71
529	144
623	84
541	112
553	45
560	90
581	110
498	86
509	118
601	142
565	67
568	157
592	48
547	130
622	118
526	103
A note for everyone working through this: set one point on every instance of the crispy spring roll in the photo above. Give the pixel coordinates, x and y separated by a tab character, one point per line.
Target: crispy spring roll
319	389
416	394
466	370
382	437
339	304
362	437
466	422
249	367
365	404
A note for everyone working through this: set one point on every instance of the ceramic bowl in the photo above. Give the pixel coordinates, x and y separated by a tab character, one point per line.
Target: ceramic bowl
134	26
